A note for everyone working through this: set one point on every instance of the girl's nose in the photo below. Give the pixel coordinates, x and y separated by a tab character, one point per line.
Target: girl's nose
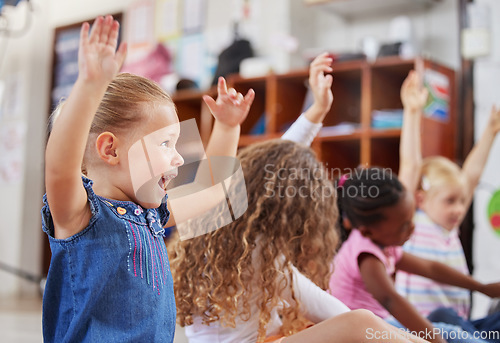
177	161
460	209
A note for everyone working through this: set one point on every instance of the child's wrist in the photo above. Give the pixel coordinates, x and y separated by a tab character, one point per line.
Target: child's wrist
319	111
92	85
413	111
226	127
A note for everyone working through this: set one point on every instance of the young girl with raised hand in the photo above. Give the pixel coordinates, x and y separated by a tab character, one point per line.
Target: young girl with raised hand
261	278
443	192
380	211
109	277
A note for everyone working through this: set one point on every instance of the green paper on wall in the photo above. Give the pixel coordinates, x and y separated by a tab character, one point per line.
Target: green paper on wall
494	212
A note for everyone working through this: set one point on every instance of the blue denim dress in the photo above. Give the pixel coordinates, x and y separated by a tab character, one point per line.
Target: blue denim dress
110	282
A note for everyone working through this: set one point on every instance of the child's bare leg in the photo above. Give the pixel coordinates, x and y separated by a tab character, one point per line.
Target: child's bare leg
355	326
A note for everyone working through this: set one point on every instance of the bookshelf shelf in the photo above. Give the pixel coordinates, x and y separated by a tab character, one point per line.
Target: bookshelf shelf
359	88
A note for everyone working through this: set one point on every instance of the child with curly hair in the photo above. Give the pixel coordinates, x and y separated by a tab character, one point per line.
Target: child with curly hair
262	277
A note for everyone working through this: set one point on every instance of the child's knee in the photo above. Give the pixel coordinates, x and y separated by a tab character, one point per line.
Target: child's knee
366	317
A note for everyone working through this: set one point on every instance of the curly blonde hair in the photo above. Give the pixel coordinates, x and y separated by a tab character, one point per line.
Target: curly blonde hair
290	220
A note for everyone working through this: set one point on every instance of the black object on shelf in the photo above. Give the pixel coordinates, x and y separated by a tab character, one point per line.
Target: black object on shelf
390	49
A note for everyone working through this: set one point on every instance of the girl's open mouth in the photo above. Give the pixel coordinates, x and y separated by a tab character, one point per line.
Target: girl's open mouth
165	179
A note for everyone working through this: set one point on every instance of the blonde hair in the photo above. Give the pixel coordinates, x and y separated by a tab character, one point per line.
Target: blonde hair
121	106
213	273
438	171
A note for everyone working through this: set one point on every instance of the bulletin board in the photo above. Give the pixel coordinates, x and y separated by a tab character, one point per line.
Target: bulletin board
65	59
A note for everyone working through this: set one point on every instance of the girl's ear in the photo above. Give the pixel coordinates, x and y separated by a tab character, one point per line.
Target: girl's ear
420	198
346	223
107	144
365	231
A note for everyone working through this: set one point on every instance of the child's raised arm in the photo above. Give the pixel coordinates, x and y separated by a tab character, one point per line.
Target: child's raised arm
229	110
307	126
476	160
321	86
413	97
98	63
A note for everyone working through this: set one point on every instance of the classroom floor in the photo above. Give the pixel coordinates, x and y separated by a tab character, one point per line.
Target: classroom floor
21	321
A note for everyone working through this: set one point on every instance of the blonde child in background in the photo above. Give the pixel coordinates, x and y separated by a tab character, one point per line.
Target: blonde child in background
443	193
109	278
256	280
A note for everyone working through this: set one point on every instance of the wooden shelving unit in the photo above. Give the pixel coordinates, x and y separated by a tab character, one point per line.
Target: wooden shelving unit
359	88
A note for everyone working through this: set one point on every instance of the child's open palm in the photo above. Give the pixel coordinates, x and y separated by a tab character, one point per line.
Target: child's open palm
231	107
413	95
98	58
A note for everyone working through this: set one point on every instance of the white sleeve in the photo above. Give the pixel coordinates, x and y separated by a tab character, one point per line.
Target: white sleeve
302	131
316	304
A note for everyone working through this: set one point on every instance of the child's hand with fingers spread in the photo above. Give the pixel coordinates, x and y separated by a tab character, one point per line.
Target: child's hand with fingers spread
231	107
98	59
413	95
320	83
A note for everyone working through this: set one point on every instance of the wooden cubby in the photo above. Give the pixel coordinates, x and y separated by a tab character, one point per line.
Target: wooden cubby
359	88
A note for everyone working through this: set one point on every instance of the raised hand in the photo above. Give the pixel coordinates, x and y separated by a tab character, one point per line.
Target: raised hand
320	83
413	95
494	122
231	107
98	59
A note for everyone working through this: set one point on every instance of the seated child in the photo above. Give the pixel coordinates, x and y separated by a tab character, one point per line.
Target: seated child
260	278
443	193
380	211
109	278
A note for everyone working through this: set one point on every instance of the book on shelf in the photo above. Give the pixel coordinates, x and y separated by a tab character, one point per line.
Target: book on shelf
387	118
343	128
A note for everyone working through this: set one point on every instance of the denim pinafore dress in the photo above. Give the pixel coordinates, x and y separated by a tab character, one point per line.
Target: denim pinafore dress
110	282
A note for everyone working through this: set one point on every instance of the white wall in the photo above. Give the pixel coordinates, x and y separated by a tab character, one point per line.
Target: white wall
435	29
27	64
486	249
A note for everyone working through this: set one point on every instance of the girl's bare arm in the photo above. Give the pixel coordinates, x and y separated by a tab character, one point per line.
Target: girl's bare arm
98	63
381	286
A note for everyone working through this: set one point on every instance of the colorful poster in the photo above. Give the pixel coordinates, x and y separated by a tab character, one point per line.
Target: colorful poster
494	212
190	62
168	24
12	137
438	102
194	16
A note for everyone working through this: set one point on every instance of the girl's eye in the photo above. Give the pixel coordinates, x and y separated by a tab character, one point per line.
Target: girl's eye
166	144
